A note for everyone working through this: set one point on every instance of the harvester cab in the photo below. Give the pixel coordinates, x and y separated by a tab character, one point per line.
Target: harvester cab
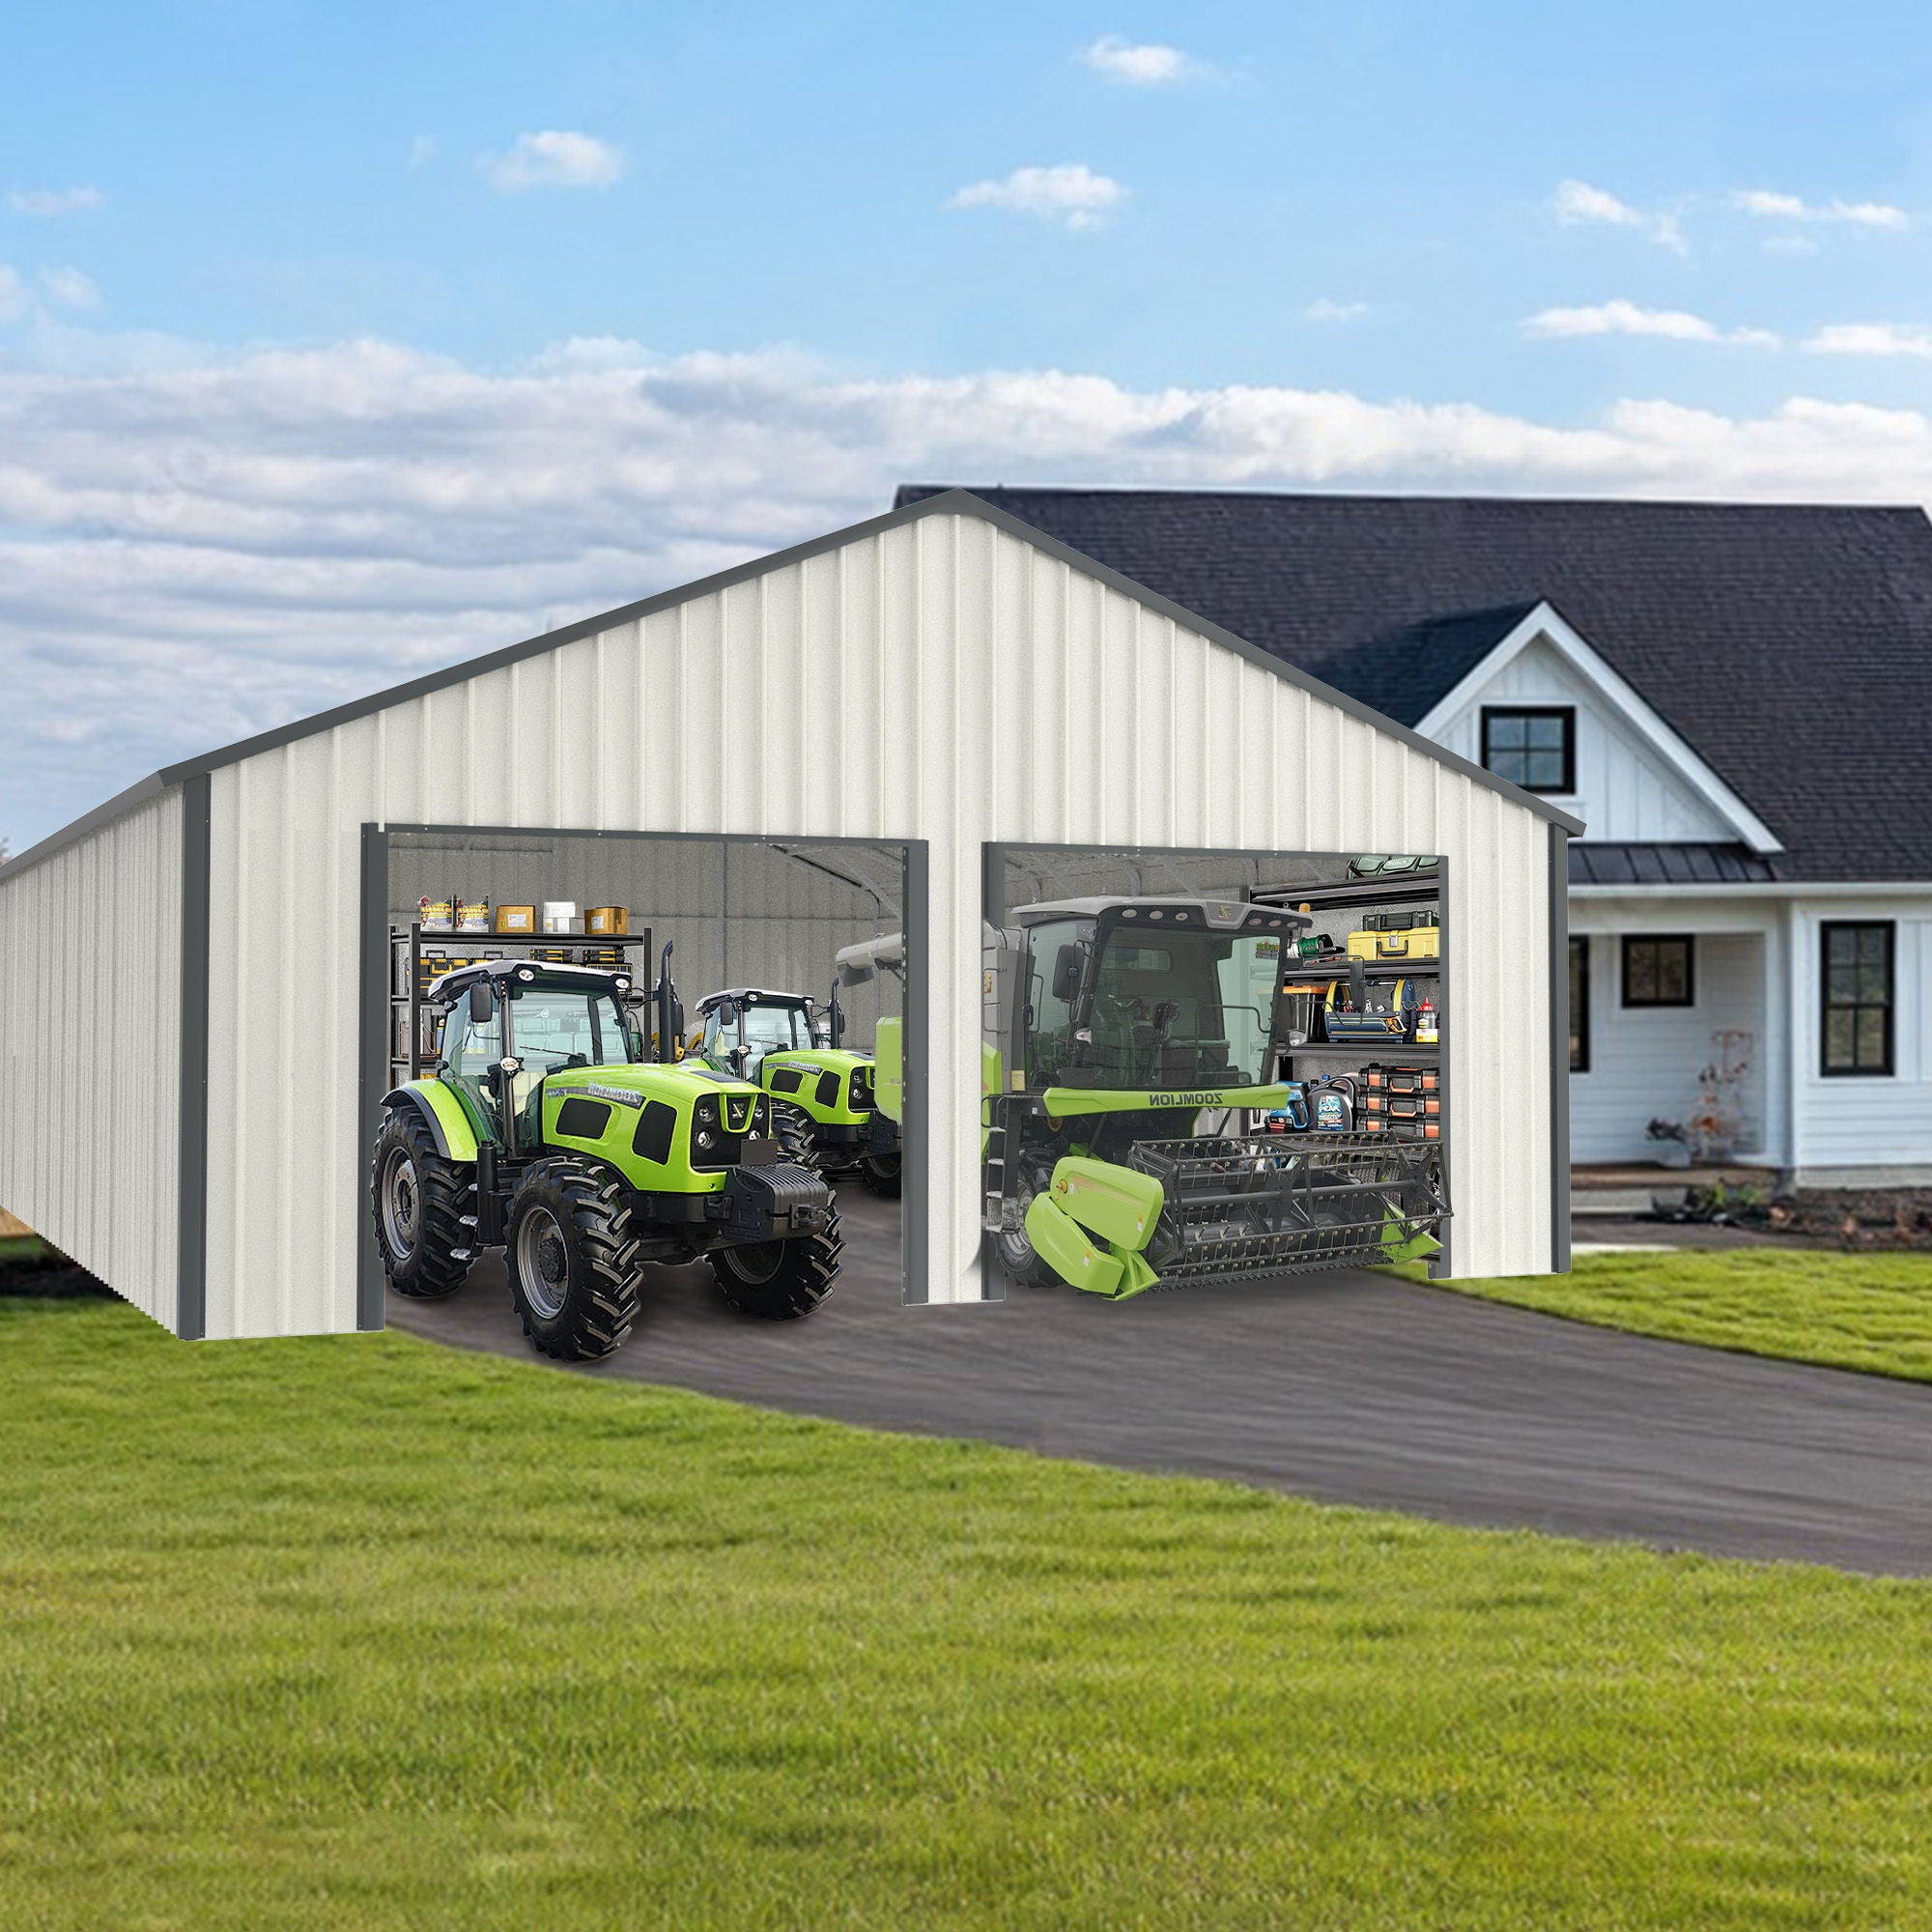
545	1130
1125	1041
780	1044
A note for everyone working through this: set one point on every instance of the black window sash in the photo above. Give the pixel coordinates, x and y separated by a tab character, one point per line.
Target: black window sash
1858	993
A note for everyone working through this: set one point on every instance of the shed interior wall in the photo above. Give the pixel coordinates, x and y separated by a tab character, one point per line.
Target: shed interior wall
772	914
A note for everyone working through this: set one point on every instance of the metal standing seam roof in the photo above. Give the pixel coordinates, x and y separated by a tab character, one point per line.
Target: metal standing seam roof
1787	645
927	501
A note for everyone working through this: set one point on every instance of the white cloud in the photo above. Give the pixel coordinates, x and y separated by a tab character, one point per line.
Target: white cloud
1790	244
13	300
70	288
1620	317
422	151
46	202
1322	309
1149	64
555	158
1770	206
201	545
1070	192
1576	204
1872	338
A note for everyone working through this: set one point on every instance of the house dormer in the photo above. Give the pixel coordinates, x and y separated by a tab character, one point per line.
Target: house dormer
1544	709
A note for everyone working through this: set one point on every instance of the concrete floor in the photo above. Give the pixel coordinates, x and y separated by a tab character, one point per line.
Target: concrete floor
1347	1387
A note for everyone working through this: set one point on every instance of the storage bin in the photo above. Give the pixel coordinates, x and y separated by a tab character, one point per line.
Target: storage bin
1417	942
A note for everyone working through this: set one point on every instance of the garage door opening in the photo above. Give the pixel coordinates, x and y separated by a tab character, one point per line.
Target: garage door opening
610	1067
1209	1069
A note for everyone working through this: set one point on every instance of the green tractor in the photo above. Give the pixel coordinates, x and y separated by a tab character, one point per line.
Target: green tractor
549	1131
1115	1029
794	1051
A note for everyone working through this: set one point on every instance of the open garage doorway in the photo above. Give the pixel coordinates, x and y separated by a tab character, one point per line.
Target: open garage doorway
1204	1067
612	1005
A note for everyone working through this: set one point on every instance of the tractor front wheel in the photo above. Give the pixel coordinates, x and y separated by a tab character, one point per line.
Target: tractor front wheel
780	1281
1023	1267
572	1254
880	1171
422	1204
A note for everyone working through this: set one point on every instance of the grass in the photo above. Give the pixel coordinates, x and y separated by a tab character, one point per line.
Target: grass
358	1632
1847	1311
17	1250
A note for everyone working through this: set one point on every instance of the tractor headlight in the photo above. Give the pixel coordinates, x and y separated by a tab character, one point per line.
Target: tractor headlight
706	1138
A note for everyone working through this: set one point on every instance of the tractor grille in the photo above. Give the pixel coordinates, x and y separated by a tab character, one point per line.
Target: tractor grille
1265	1206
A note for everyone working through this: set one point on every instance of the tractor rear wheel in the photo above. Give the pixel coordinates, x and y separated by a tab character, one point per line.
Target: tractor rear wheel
791	1128
780	1281
424	1210
573	1252
880	1171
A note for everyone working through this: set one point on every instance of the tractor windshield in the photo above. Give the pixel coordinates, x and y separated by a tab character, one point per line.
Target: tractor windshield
554	1025
1158	1010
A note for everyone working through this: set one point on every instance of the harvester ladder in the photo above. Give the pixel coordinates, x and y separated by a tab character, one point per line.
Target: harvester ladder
995	1174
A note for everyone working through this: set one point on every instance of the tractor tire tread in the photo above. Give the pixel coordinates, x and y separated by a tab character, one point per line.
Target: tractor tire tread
596	1322
447	1191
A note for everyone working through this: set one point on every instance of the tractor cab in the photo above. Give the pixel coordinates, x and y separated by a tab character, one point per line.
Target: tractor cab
510	1023
745	1024
1148	995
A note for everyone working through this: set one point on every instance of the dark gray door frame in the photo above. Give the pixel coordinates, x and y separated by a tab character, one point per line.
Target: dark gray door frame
191	1126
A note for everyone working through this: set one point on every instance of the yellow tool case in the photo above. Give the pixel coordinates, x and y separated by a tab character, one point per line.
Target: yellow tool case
1421	942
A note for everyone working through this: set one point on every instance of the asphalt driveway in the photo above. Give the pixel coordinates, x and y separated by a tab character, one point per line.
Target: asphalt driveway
1346	1387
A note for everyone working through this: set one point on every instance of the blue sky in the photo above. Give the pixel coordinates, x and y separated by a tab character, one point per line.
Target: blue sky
336	342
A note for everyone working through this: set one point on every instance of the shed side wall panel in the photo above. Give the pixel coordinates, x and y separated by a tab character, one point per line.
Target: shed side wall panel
90	1050
985	691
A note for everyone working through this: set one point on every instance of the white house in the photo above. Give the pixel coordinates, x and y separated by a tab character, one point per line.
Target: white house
1736	701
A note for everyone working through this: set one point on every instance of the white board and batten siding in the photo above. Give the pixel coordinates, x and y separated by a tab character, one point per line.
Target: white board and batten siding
1878	1127
1626	792
90	1049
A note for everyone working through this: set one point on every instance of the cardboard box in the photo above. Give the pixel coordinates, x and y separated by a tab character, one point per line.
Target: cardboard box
517	919
608	921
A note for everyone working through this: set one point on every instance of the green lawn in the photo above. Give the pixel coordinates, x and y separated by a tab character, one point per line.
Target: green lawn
360	1633
17	1248
1848	1311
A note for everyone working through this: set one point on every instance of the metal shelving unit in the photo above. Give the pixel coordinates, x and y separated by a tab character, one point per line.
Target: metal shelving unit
470	946
1406	889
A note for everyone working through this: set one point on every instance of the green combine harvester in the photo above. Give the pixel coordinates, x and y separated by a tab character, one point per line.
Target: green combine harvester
793	1050
1114	1030
550	1132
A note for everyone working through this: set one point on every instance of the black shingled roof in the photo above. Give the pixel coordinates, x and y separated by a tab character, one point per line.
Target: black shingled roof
1789	644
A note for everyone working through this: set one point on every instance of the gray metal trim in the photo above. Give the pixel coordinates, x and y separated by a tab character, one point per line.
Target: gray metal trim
1559	1051
372	1059
915	1128
950	502
993	912
192	1124
1443	1262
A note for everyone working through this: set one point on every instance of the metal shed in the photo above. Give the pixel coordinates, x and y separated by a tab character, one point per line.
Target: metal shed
191	975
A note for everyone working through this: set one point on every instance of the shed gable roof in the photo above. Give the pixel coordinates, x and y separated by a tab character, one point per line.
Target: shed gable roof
1783	643
931	502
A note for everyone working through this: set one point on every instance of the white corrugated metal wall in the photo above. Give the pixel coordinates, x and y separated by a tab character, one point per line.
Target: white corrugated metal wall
90	1049
979	689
